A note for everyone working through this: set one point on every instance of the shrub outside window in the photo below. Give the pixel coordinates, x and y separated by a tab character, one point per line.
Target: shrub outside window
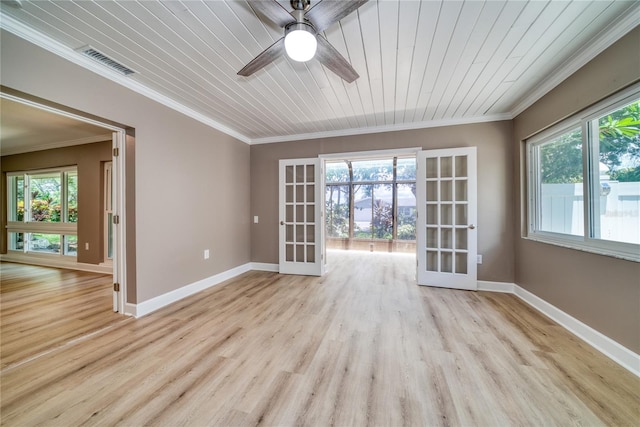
584	180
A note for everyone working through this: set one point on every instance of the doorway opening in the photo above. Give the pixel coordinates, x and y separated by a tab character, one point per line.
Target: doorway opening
42	111
370	202
418	202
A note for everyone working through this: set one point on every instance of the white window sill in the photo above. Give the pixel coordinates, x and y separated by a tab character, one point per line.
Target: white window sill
623	251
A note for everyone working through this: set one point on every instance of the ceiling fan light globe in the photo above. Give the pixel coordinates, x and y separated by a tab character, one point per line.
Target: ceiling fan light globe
300	45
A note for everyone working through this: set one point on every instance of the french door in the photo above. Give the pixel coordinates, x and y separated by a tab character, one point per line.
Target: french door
446	186
300	197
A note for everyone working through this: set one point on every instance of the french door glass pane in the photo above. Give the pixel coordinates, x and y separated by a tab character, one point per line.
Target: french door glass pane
446	262
446	238
446	214
446	191
461	239
446	167
432	214
461	263
461	214
461	166
432	167
311	253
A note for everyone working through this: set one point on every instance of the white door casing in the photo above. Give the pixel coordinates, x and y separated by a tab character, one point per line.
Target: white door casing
300	203
118	230
446	186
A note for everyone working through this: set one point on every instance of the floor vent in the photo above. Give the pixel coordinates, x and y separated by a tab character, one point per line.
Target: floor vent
100	57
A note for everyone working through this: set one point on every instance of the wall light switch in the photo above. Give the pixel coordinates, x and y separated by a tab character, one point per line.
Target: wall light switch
479	261
206	254
255	219
86	246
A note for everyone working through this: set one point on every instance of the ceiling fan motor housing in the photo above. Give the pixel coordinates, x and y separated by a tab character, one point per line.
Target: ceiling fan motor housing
300	4
299	26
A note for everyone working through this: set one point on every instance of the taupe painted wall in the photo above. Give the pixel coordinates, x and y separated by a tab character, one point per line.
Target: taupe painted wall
601	291
495	184
89	159
191	181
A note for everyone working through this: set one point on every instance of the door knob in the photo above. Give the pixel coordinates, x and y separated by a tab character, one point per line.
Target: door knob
472	227
281	222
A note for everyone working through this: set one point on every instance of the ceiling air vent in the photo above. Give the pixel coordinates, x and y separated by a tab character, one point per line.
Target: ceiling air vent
105	60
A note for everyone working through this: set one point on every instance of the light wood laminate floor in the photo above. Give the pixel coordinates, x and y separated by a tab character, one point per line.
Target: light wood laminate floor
362	345
43	308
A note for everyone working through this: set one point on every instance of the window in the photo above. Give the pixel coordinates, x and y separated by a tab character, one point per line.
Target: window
43	211
371	199
584	180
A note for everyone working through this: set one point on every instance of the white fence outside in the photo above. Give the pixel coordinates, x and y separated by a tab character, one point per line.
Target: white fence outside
563	212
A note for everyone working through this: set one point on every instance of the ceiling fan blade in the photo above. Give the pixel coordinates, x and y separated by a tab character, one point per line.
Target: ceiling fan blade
272	10
267	56
326	12
331	58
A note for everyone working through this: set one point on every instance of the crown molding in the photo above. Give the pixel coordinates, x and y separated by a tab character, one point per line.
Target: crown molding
385	128
57	144
27	33
614	32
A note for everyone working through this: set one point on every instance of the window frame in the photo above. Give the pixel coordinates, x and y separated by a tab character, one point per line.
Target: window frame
590	167
64	228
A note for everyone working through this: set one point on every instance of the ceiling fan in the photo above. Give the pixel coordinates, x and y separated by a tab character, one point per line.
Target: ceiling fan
302	40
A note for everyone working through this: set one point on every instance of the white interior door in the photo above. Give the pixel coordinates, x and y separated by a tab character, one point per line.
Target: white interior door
300	217
447	217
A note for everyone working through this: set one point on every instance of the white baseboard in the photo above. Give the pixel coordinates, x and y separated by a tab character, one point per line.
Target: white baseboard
610	348
263	266
55	262
149	306
495	287
130	309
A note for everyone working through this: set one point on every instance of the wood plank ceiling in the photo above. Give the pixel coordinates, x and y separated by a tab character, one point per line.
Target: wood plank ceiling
420	62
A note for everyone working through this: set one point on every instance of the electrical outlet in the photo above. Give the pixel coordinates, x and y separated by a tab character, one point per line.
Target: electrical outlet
479	260
206	254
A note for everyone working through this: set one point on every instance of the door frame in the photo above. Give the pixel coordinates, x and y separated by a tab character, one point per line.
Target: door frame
357	155
118	158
